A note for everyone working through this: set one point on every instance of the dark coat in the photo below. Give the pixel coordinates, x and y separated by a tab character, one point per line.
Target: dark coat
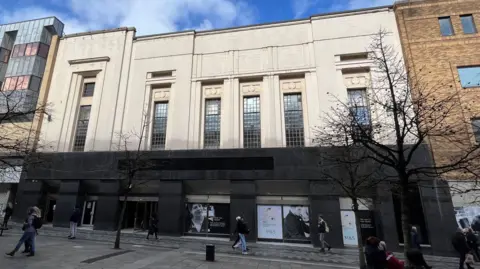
8	212
376	258
459	243
472	240
241	227
76	216
415	240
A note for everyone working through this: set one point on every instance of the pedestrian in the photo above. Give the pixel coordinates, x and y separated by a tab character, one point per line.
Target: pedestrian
416	260
392	261
153	227
322	230
74	220
472	242
8	213
33	223
375	255
237	241
415	238
459	243
242	231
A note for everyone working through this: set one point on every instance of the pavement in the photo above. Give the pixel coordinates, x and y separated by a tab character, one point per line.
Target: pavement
93	249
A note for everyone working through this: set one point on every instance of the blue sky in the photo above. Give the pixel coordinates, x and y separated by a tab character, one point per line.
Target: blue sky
160	16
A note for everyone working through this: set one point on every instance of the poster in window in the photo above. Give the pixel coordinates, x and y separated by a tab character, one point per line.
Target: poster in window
196	220
349	228
218	218
269	221
468	216
296	222
367	224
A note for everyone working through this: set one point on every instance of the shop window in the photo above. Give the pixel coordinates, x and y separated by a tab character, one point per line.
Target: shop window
205	218
287	223
417	217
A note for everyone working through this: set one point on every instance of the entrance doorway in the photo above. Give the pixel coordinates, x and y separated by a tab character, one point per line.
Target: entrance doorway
50	208
88	216
138	214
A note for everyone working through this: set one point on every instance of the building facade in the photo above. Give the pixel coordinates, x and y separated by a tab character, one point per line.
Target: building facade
441	45
227	117
27	52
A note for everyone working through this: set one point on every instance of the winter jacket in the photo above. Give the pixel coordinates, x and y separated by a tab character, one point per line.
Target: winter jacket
8	212
322	227
472	240
241	227
459	243
376	258
76	216
393	262
415	240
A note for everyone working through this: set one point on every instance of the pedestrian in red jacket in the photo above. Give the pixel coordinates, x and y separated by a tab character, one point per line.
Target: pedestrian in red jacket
393	262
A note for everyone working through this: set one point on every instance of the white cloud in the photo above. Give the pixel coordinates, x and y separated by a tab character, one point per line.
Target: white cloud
357	4
147	16
300	7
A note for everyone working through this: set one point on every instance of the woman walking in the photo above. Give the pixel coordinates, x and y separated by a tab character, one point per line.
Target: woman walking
29	231
153	227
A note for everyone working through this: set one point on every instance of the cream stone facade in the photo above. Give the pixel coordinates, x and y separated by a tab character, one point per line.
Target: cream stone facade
133	73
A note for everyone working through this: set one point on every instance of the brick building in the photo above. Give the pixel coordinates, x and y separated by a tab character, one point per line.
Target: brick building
441	45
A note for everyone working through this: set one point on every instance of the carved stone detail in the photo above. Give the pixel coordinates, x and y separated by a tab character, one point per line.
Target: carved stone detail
213	90
161	94
292	85
251	88
356	80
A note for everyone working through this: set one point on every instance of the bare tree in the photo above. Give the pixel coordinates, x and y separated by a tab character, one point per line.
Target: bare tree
133	160
401	112
20	115
349	169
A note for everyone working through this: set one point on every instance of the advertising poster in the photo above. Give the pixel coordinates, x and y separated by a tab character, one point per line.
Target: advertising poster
296	222
218	218
367	224
196	218
468	216
269	222
349	228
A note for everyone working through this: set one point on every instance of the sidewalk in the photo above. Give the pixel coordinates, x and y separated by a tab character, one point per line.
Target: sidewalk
303	253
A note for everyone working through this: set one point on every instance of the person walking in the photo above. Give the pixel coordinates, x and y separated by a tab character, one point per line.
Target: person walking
322	230
242	230
459	243
74	220
30	230
8	213
472	242
153	227
415	238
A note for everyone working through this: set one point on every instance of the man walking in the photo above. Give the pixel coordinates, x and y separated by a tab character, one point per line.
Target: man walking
322	230
242	230
459	243
29	231
8	213
74	220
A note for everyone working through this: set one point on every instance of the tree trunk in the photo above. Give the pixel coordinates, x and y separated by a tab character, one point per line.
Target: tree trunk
361	250
405	213
119	224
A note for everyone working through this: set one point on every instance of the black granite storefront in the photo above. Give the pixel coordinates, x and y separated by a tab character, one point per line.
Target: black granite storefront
242	175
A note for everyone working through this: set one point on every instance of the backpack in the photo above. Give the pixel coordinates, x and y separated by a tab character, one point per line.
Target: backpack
37	223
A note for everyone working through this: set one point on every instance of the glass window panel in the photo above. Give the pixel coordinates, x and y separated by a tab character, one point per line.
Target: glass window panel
294	129
468	24
446	27
4	55
19	84
16	49
211	136
358	106
34	49
28	50
82	128
13	83
476	129
7	83
251	122
88	89
469	76
26	81
159	133
43	50
21	49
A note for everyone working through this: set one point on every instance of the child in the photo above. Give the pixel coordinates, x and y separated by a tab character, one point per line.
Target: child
469	260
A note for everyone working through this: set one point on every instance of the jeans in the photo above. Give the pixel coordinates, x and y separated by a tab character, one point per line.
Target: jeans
244	243
463	256
323	243
27	236
73	229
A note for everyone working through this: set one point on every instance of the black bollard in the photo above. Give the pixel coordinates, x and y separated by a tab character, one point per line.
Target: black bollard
210	252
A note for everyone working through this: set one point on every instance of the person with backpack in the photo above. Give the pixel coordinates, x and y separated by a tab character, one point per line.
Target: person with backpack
153	227
33	223
322	230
